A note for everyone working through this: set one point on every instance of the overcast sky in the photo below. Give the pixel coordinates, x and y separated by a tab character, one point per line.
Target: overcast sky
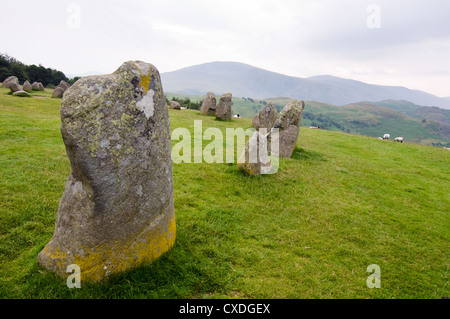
388	42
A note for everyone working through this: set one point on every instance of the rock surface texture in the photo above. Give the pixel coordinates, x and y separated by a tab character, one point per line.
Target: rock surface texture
174	105
117	209
27	86
266	117
7	82
209	104
223	110
288	124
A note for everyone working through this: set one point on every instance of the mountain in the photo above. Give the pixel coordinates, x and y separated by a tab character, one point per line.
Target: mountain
244	80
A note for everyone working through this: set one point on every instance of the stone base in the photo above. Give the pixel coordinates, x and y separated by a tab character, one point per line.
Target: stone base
112	257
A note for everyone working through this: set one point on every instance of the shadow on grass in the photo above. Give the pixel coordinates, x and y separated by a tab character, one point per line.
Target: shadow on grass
307	155
185	271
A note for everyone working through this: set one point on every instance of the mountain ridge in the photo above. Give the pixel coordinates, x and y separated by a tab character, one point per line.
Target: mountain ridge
244	80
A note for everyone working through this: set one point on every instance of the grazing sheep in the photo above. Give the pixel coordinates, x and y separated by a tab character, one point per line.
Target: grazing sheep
380	138
386	136
237	116
399	139
183	108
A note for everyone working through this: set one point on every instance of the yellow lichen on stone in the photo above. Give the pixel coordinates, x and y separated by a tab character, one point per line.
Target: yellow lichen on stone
112	258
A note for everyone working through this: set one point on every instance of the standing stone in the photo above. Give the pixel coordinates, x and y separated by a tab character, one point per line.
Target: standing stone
255	122
288	124
37	86
27	86
58	92
117	210
7	82
64	85
254	159
174	105
209	104
266	117
223	111
14	87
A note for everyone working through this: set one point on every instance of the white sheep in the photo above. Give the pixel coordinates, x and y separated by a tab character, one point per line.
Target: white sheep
386	136
399	139
237	116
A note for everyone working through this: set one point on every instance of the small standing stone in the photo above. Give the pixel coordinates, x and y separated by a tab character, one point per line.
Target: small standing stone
266	117
27	87
174	105
37	86
209	104
58	92
14	87
288	124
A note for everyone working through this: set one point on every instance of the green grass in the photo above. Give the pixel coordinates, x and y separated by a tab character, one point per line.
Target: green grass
341	203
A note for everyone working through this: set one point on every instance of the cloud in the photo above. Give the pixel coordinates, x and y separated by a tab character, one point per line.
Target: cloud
296	37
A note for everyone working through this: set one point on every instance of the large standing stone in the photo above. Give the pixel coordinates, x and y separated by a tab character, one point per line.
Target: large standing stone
209	104
288	124
117	210
266	117
14	87
223	111
7	82
27	86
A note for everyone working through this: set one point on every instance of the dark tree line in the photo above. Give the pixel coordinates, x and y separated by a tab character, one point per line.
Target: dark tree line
9	66
187	103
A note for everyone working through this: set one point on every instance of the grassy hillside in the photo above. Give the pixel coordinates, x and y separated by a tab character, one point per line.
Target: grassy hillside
417	124
340	204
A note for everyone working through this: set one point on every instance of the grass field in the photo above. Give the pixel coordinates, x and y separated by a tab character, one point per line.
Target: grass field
340	204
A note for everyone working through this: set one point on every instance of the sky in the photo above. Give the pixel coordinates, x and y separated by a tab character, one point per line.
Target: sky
387	42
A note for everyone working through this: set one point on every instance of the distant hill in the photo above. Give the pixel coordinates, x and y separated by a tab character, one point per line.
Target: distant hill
244	80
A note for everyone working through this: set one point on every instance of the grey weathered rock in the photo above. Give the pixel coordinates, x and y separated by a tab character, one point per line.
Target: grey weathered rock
288	124
266	117
27	86
21	93
37	86
14	87
117	210
254	159
209	104
58	92
223	110
174	105
64	85
7	82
